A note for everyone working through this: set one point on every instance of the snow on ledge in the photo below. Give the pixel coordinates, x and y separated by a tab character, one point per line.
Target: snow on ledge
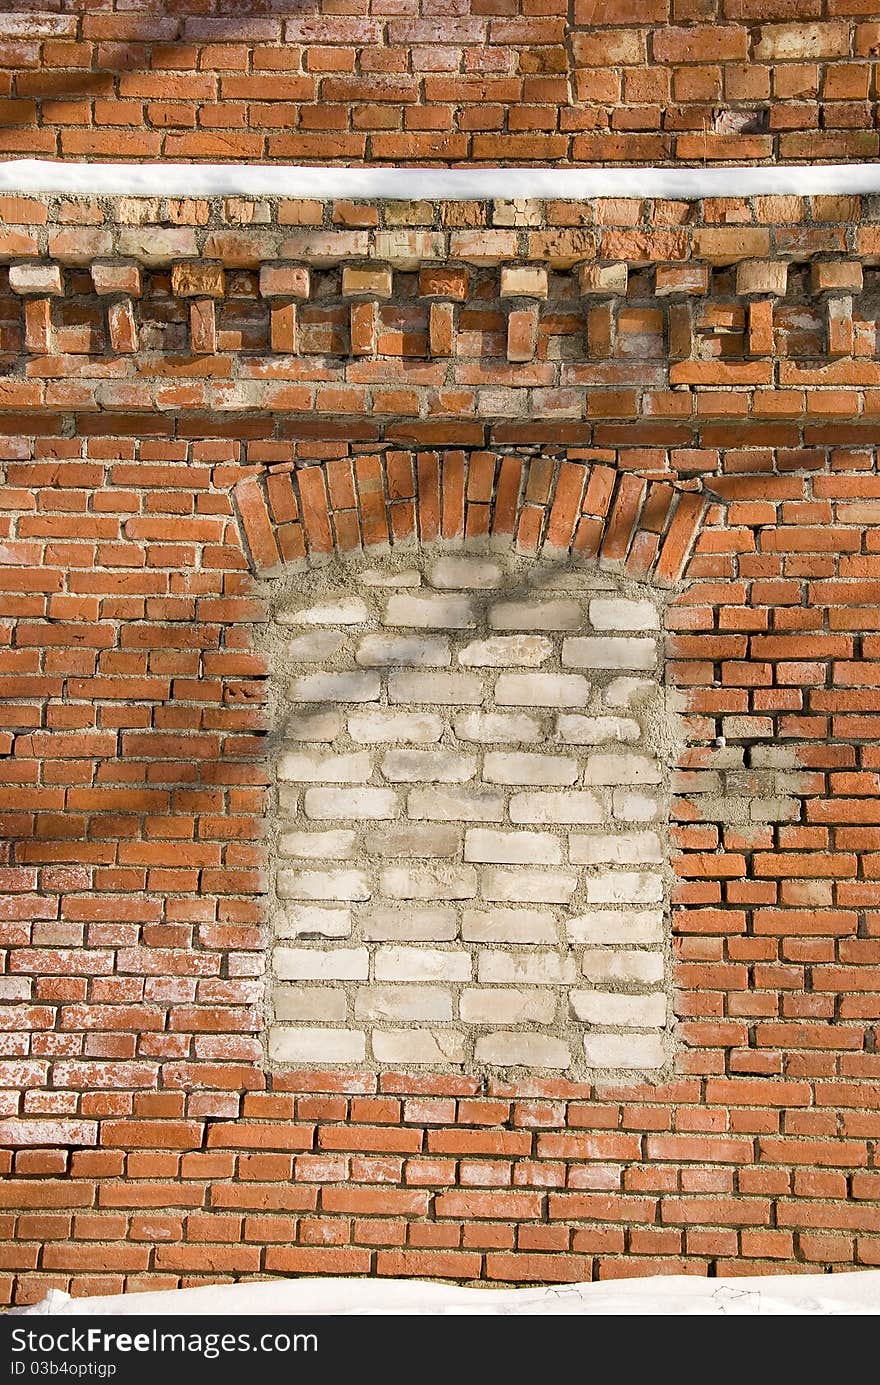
411	184
761	1296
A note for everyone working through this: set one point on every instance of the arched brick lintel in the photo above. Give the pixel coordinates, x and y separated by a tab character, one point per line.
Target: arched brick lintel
550	507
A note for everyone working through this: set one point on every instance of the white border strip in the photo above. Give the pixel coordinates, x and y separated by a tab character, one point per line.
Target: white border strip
267	180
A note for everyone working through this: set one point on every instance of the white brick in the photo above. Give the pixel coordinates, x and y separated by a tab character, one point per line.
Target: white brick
513	1048
528	767
377	725
630	805
443	689
611	1008
335	687
523	885
629	926
337	608
576	729
316	767
36	278
605	652
316	964
628	692
500	651
456	805
524	848
288	1044
314	647
46	1133
323	884
304	920
504	1005
428	766
497	728
563	614
627	1052
430	923
355	804
380	650
616	613
622	767
374	577
400	1002
508	926
624	849
313	726
466	573
624	887
413	840
322	1003
532	968
429	881
779	757
435	1046
627	965
318	846
774	809
541	690
576	806
421	964
430	611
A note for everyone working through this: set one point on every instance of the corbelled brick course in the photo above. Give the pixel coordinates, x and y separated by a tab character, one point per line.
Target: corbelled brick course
699	421
616	309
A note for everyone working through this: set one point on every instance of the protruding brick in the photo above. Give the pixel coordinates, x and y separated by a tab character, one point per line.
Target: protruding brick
114	276
760	325
522	334
441	330
36	279
836	276
282	328
601	279
203	326
841	334
679	331
121	323
523	281
600	331
38	326
768	277
363	329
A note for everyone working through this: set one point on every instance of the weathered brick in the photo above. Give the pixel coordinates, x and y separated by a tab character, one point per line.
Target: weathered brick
36	279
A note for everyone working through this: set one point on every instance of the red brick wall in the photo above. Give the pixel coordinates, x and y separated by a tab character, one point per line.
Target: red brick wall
702	390
520	81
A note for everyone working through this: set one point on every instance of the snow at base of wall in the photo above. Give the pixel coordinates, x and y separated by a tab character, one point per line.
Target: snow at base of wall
763	1296
207	180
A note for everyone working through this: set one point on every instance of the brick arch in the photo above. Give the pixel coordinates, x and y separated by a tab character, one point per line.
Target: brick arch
580	506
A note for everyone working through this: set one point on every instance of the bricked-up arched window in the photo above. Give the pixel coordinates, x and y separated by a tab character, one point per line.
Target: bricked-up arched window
471	747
